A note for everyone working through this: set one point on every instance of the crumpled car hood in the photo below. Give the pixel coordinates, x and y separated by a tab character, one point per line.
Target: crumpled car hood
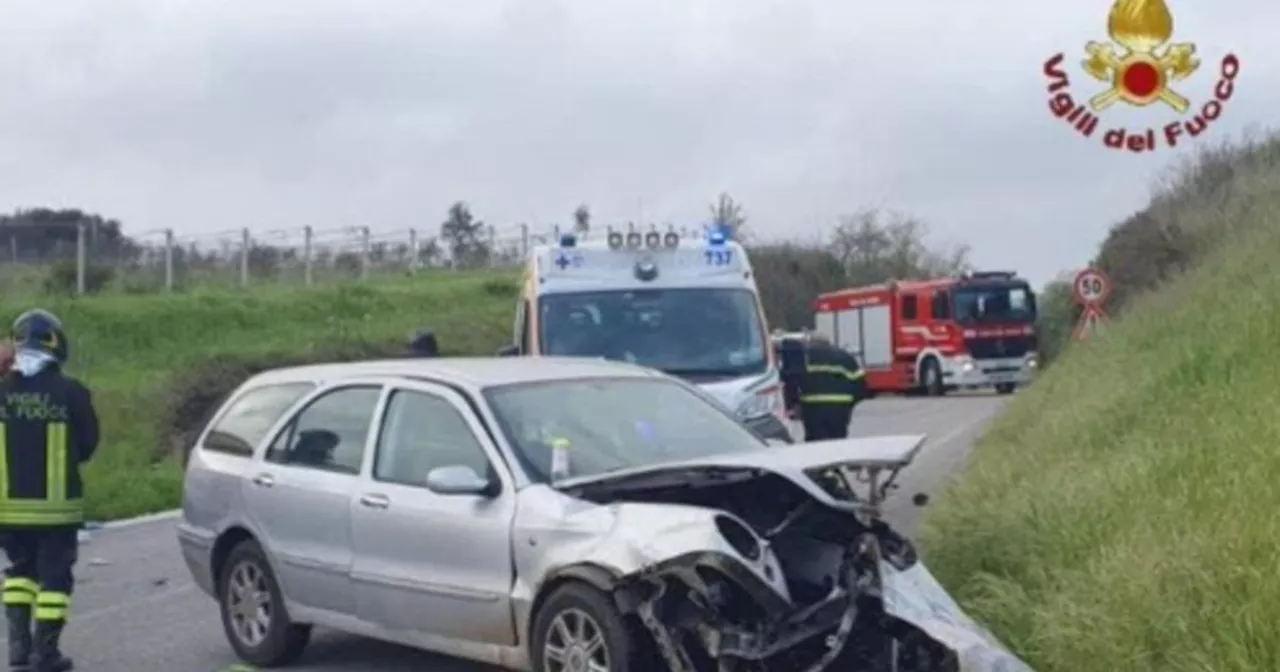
790	461
915	596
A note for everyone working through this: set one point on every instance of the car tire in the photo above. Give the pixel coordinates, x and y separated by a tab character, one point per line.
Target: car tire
560	616
279	641
931	377
1006	388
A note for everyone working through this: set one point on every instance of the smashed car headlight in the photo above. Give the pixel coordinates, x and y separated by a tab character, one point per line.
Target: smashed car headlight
739	537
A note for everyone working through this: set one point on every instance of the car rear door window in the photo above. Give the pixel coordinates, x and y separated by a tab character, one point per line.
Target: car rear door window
247	421
420	432
330	432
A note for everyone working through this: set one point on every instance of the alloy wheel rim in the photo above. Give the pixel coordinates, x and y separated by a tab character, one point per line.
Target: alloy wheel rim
575	643
249	603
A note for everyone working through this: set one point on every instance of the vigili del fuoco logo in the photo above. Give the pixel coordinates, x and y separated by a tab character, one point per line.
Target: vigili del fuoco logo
1140	68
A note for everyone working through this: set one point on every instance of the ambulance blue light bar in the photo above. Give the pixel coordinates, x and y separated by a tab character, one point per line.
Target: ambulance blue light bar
568	240
718	236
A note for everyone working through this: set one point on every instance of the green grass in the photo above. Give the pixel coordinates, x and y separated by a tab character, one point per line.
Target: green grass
1122	514
133	349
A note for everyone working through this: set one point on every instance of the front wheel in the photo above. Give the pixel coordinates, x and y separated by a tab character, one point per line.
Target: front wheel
578	629
931	376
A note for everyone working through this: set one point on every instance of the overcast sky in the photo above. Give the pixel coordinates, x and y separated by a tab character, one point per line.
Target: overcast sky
203	115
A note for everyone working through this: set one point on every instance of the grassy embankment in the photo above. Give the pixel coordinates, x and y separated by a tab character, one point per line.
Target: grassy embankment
1122	514
139	352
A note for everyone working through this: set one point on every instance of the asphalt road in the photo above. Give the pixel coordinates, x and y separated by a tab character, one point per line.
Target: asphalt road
135	609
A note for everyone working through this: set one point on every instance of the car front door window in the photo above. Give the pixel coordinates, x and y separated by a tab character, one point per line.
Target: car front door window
421	432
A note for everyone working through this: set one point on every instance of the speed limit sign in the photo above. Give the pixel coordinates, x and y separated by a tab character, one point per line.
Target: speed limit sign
1092	287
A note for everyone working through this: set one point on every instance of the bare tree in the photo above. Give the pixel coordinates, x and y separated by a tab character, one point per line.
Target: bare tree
582	220
728	215
462	233
873	247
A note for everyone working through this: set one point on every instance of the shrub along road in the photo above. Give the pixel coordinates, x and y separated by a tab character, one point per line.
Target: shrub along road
136	609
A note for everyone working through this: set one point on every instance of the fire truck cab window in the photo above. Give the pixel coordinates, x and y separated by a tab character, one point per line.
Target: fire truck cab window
941	308
910	310
998	303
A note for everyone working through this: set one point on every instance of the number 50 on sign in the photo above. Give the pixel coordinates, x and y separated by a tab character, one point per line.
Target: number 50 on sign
1091	288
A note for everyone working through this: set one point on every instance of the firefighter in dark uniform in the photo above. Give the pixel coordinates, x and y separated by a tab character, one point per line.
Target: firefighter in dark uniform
49	428
833	384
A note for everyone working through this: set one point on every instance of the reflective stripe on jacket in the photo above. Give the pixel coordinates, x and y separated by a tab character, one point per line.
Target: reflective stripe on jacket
48	427
832	376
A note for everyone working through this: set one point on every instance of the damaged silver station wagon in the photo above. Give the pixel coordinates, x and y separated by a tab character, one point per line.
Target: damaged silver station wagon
557	515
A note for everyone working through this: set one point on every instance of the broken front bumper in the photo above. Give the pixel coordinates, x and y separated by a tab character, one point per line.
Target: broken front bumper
855	624
915	597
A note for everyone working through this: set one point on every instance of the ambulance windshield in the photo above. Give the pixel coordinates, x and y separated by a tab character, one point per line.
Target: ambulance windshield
995	303
684	332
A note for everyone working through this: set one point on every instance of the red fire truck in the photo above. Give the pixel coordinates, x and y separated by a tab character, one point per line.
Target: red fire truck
977	330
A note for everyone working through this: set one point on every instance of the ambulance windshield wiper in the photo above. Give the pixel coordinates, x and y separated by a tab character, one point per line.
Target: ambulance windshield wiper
702	372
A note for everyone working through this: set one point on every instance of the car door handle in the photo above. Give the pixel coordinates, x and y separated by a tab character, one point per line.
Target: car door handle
375	501
264	480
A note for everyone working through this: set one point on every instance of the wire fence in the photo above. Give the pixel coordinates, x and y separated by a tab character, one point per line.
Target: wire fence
159	261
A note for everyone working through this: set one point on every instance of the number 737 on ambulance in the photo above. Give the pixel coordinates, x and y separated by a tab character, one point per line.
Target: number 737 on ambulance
688	307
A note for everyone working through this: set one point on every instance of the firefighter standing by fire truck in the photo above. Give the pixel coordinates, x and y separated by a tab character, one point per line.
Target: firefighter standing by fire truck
832	385
49	428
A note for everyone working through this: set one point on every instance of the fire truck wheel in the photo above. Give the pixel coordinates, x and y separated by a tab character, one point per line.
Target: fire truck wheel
931	378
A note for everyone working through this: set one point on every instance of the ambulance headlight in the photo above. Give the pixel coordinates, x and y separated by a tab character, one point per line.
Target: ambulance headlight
967	365
615	240
1033	362
765	402
646	270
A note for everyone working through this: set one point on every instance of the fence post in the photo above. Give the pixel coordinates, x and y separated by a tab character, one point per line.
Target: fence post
413	250
245	242
493	246
364	252
81	259
307	234
168	260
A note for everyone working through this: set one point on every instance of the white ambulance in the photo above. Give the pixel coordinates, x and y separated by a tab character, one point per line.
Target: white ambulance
687	307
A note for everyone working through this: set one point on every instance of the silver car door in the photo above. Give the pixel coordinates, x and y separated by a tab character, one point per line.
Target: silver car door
299	497
426	561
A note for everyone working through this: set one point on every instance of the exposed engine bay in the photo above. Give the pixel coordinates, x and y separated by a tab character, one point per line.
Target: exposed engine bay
802	593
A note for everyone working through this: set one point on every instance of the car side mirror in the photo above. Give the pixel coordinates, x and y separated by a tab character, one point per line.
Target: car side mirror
458	480
510	350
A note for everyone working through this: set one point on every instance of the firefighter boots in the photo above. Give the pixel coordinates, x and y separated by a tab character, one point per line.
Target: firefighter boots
19	618
49	656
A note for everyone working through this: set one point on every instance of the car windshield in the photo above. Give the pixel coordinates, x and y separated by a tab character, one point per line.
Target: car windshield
679	331
998	303
613	423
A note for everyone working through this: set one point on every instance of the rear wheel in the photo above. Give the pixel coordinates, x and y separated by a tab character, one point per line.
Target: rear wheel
1006	388
253	614
931	378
